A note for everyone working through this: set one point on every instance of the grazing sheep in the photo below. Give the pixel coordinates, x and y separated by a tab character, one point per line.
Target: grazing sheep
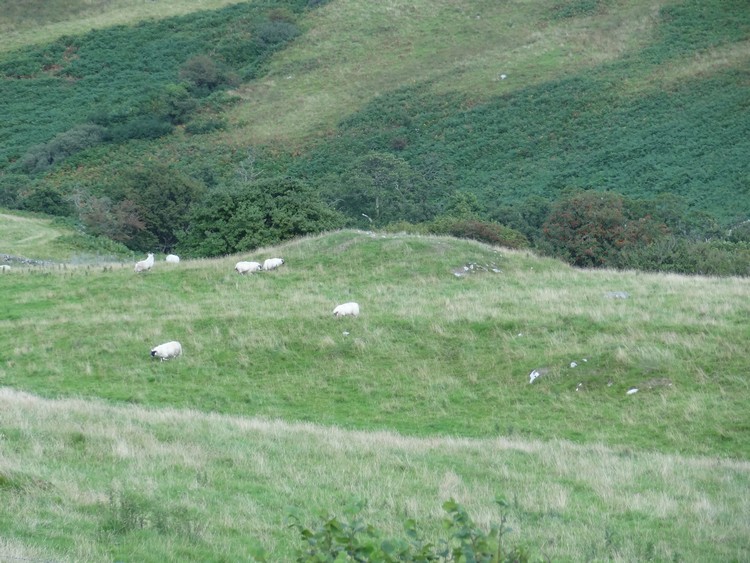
167	350
172	259
346	310
245	267
146	264
4	268
272	263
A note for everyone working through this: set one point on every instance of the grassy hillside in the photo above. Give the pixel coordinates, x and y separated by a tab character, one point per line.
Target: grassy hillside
424	397
39	238
433	353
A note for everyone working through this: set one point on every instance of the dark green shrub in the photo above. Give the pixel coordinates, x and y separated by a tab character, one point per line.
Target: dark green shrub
41	157
348	538
162	198
205	75
576	8
527	216
11	187
255	213
46	200
380	188
740	232
276	32
209	125
483	231
174	104
683	256
140	127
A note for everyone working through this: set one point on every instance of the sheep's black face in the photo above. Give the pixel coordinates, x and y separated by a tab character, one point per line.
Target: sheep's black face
153	353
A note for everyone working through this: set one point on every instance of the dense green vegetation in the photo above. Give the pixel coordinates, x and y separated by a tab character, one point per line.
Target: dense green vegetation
660	114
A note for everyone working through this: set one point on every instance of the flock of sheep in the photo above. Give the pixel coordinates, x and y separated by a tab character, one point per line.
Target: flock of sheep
172	349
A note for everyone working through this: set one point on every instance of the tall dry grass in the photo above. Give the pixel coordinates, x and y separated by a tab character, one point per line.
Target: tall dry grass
108	481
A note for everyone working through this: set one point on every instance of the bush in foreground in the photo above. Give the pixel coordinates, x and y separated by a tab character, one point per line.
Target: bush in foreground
349	538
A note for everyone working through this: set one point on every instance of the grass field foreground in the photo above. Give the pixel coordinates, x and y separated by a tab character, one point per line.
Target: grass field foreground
86	480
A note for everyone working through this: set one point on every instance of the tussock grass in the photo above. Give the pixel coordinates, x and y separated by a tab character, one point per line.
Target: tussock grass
164	484
430	353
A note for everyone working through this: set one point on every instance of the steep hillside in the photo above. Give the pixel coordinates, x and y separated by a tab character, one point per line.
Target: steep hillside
412	102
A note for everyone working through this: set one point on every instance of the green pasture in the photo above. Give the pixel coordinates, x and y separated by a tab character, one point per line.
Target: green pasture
425	396
432	353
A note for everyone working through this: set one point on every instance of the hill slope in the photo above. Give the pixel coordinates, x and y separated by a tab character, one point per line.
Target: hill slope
38	238
640	97
432	353
424	397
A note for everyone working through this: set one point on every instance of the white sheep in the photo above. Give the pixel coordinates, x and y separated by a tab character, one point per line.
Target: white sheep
245	267
4	268
167	350
146	264
346	310
172	259
272	263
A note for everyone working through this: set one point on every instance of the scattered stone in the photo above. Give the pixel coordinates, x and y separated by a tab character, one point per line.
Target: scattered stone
617	295
573	364
473	268
579	386
631	391
23	261
539	372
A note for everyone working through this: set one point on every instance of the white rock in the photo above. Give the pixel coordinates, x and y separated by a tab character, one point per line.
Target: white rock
632	391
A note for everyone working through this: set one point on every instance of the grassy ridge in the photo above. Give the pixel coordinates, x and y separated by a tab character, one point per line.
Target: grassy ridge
432	353
127	483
